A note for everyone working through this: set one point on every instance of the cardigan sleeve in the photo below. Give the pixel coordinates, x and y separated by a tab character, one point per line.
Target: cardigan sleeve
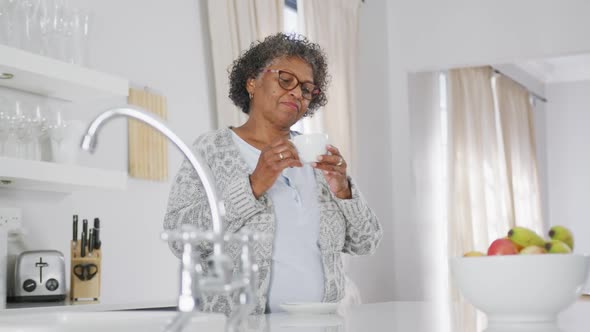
188	204
363	231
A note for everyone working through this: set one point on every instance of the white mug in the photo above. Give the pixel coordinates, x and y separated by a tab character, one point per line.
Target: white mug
310	146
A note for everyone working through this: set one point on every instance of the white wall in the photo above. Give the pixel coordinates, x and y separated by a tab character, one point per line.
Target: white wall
406	232
160	45
428	151
568	120
374	274
453	33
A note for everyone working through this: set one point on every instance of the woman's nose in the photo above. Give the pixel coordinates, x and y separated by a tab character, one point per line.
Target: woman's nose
296	92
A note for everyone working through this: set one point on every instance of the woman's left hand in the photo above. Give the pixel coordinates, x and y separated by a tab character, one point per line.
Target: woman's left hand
334	168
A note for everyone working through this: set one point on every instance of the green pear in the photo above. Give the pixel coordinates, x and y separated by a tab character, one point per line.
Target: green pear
557	247
562	234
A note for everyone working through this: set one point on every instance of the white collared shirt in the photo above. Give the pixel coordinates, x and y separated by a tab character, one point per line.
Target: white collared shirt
296	273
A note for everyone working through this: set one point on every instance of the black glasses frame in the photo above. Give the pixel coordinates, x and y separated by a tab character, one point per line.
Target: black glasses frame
308	89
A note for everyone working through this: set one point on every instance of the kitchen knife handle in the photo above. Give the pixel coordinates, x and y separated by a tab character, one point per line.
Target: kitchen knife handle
90	242
83	245
85	226
75	234
97	242
75	231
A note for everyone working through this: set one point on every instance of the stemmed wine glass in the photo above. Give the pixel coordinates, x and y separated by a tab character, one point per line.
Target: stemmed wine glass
23	130
57	128
3	132
39	131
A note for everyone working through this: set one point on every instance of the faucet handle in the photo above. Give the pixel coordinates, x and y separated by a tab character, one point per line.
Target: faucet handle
190	267
219	275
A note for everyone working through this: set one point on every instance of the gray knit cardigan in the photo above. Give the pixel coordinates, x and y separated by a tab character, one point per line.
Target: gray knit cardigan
346	225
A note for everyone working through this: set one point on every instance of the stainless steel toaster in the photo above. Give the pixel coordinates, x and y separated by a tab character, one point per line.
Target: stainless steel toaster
39	275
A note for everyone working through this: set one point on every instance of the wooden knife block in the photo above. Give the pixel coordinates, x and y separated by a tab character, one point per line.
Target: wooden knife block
84	290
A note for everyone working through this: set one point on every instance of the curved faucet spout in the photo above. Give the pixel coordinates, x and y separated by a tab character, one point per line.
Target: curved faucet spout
200	166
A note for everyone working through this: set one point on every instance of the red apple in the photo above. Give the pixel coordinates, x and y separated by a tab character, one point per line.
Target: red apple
502	246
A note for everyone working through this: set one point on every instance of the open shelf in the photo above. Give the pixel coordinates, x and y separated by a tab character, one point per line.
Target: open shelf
57	79
47	176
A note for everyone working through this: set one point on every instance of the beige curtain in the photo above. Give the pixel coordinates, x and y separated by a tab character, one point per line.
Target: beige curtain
518	133
479	204
334	25
233	26
493	178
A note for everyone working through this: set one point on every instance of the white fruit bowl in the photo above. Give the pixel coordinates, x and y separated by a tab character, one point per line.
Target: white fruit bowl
521	288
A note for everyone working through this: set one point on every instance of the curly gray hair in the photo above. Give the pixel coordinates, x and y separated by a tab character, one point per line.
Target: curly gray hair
261	54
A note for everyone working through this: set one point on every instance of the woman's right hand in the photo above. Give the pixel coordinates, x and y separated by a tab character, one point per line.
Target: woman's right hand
273	159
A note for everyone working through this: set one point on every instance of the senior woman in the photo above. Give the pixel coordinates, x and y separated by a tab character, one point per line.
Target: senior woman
312	212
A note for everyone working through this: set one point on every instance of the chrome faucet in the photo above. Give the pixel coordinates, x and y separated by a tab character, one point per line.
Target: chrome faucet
194	281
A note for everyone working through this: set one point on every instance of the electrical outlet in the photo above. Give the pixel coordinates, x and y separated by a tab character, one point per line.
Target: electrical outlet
11	218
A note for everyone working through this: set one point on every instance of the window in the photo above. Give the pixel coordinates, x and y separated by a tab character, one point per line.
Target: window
291	25
290	16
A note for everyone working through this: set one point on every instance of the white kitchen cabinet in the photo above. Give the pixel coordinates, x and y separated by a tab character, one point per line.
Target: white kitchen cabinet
56	79
46	176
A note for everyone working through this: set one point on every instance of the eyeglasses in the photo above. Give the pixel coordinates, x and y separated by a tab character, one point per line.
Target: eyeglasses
289	82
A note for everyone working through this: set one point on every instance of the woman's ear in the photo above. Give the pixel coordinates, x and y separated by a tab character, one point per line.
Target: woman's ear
251	85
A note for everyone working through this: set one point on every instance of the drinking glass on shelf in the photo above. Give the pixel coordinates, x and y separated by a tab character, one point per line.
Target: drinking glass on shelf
80	28
45	21
70	145
23	130
3	132
4	125
65	137
57	128
8	23
39	132
58	26
28	25
11	143
68	35
4	23
8	125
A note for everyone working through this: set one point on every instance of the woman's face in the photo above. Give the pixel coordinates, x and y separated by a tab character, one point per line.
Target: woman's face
271	102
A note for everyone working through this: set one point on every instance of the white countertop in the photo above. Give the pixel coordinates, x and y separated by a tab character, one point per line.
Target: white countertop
82	306
389	316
